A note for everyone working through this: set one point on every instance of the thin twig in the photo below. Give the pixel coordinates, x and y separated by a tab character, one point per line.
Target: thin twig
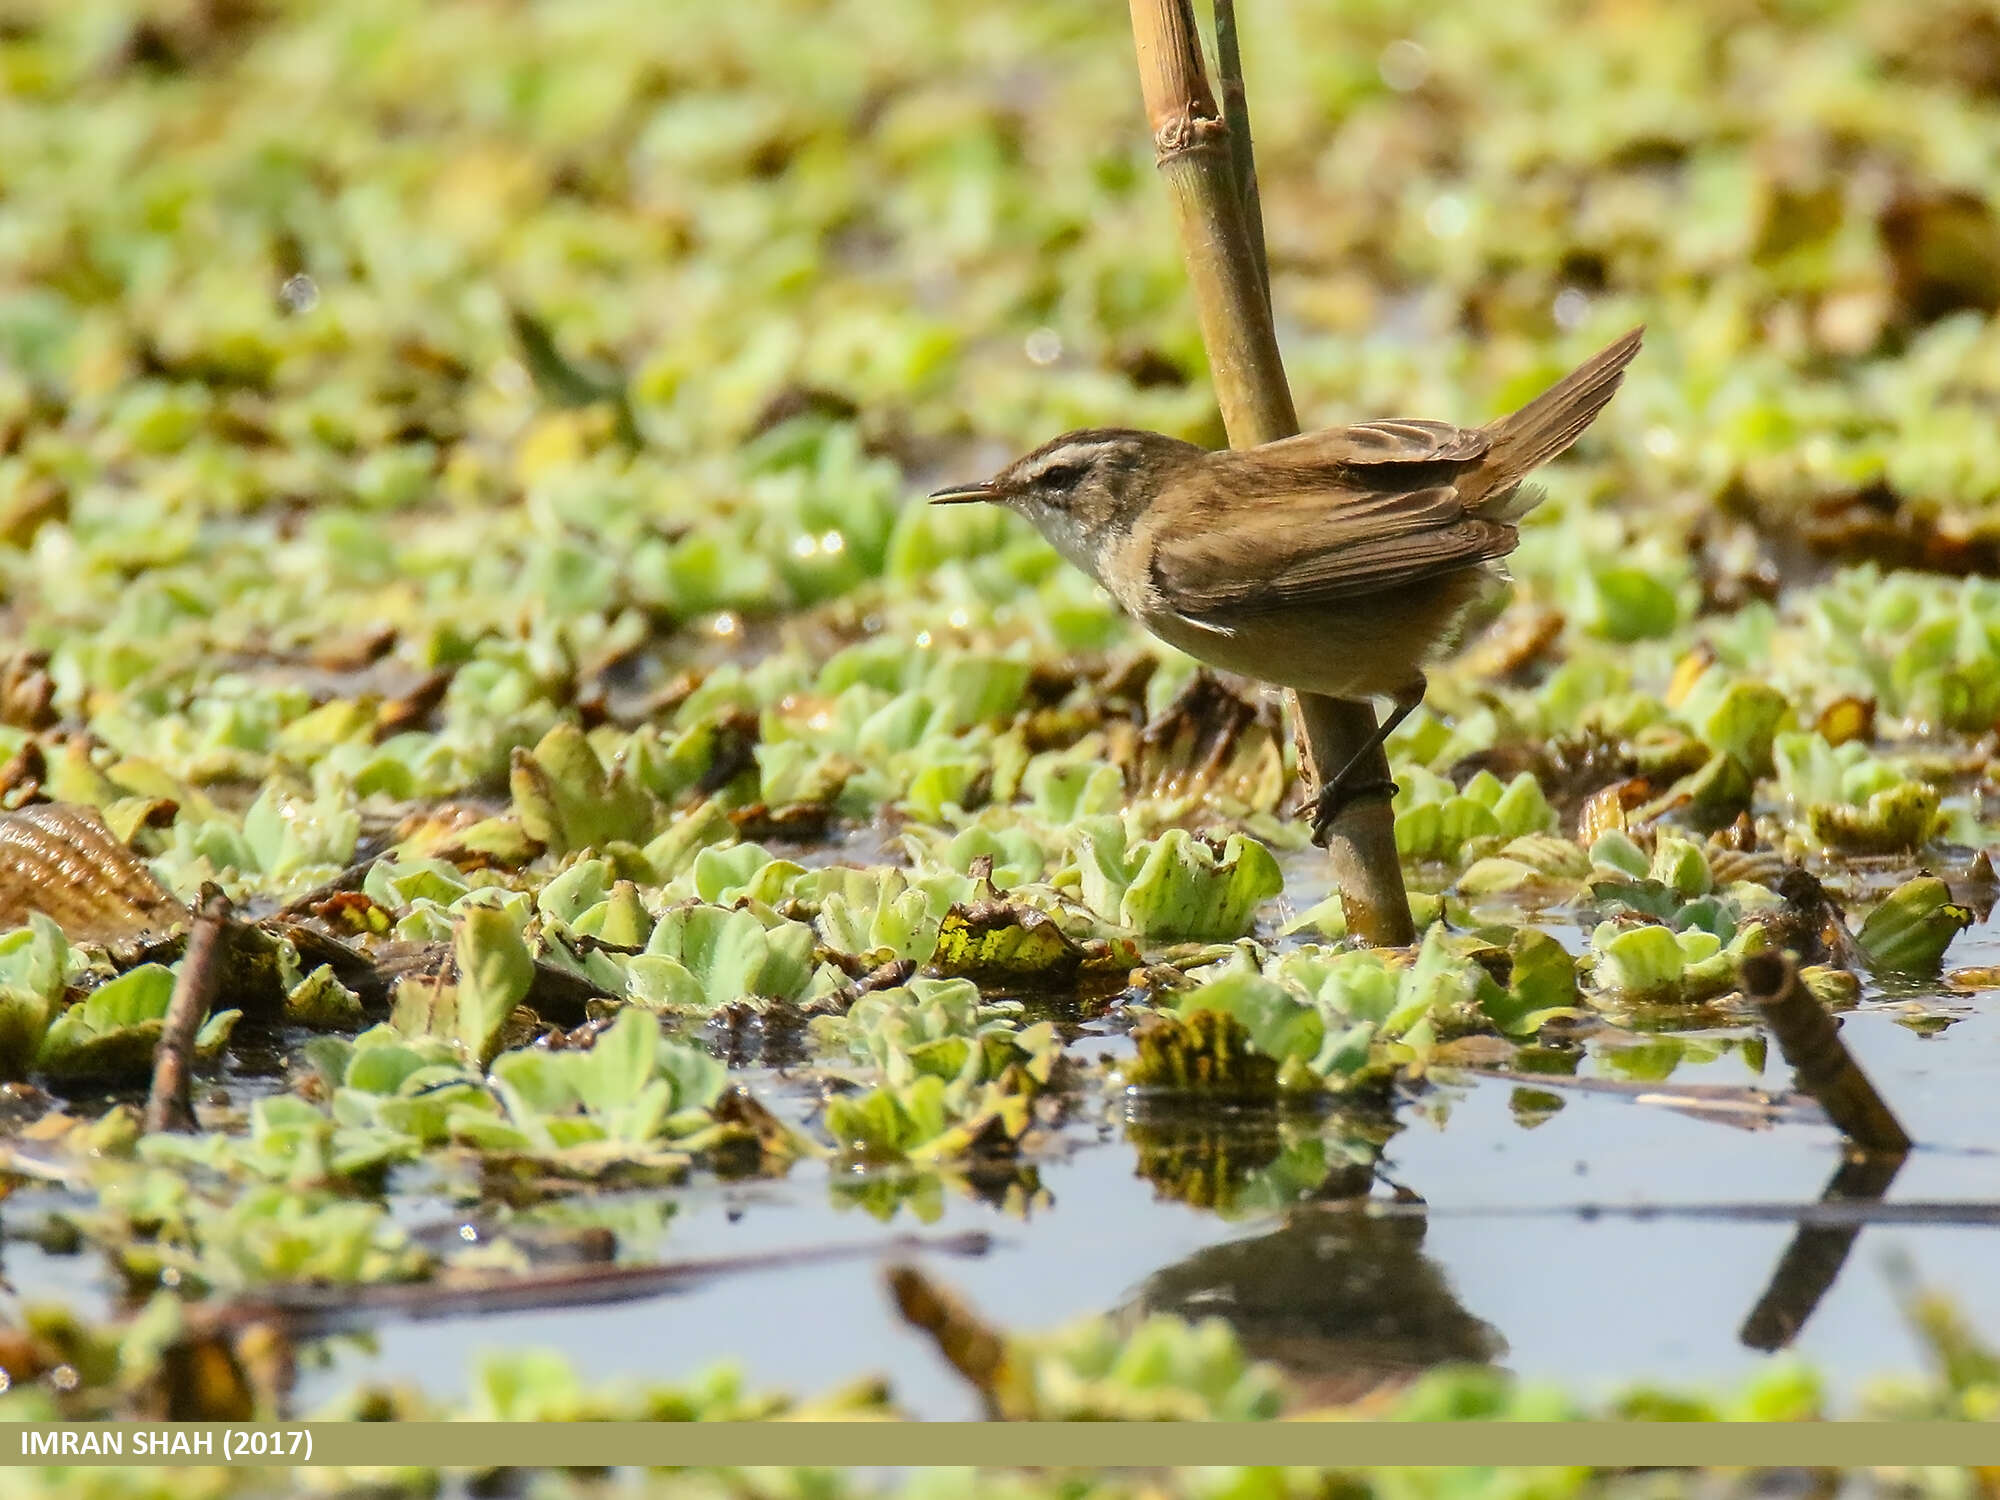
169	1104
1191	141
350	879
1820	1060
1725	1103
1831	1213
306	1311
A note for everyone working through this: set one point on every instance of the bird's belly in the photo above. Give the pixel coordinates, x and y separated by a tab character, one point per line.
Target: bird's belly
1371	646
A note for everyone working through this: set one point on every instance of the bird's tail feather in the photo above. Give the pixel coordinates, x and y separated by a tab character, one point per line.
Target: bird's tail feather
1553	420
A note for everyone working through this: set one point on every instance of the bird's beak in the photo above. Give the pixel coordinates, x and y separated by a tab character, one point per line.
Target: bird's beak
962	494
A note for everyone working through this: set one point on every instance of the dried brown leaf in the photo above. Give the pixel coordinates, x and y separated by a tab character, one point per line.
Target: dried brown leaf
59	859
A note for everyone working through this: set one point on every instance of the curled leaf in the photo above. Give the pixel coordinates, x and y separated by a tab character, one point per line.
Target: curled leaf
495	973
1908	932
1211	743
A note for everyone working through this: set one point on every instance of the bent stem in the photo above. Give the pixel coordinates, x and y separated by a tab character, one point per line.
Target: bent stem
1193	149
1810	1040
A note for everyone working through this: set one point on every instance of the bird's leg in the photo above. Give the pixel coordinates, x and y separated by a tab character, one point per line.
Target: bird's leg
1343	787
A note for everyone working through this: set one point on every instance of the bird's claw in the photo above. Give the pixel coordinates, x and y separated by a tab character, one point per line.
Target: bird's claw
1335	797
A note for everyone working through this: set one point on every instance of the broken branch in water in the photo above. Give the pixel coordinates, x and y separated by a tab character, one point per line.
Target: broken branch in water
169	1104
1724	1103
974	1348
308	1311
1810	1041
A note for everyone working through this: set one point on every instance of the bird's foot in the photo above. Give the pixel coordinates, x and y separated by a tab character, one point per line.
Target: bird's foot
1336	796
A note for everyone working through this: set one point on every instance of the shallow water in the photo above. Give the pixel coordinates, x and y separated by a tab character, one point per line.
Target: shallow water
1610	1241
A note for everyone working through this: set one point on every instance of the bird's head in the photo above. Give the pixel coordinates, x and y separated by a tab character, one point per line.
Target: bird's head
1083	490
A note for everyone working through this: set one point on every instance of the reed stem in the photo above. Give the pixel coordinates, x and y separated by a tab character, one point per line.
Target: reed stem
1236	117
1202	166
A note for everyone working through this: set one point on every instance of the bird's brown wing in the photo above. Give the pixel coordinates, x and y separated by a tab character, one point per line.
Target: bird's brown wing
1304	547
1394	440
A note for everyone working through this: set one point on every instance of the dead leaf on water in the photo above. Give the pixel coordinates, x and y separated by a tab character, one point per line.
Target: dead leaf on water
1516	641
1847	719
60	860
1605	812
999	945
1210	742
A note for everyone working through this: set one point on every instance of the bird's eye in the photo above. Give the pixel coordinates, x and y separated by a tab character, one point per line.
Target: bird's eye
1061	476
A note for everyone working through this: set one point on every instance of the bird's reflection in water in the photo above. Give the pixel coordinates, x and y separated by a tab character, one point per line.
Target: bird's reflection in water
1345	1302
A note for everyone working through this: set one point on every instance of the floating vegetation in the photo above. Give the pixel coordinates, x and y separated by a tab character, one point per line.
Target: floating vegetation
460	500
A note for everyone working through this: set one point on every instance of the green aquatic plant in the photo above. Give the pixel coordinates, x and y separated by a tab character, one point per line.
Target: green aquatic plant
700	956
1535	867
927	1120
471	1002
620	920
1337	1020
321	1002
1435	820
879	915
1736	716
273	1234
110	1035
1176	886
34	970
943	1031
291	1141
542	1386
161	1232
1908	932
958	1073
1163	1370
1853	801
616	1103
567	801
1647	962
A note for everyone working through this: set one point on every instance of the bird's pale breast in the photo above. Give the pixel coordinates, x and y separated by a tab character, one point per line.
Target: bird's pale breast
1367	646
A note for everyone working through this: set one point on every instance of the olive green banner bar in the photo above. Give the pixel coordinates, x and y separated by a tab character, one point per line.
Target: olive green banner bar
1082	1444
